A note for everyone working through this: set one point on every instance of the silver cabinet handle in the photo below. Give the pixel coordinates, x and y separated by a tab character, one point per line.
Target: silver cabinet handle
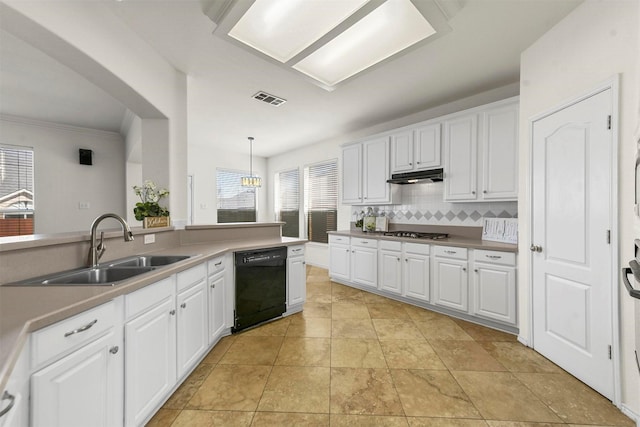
398	258
364	243
484	191
475	270
304	263
213	286
494	256
114	349
449	252
464	269
418	162
172	312
183	305
218	264
410	164
535	248
81	329
12	400
296	250
473	192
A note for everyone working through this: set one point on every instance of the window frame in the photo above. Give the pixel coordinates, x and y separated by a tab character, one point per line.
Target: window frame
306	199
276	197
240	174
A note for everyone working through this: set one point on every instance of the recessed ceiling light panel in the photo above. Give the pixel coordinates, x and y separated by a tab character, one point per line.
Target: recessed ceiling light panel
390	28
284	28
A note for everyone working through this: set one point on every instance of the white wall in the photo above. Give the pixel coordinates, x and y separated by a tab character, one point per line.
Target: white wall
61	183
317	253
594	42
202	164
88	38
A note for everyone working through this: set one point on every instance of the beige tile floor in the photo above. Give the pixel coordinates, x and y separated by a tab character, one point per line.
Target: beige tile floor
352	358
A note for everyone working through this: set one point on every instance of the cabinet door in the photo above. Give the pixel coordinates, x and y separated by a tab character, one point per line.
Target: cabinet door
150	361
216	305
375	159
296	281
364	266
402	152
340	262
427	143
81	389
494	290
390	276
460	160
500	153
352	174
450	283
192	326
416	276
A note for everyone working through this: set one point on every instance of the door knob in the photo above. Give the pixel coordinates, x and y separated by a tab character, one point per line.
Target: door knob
535	248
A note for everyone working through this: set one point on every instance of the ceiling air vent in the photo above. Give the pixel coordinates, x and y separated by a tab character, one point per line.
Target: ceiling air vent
269	99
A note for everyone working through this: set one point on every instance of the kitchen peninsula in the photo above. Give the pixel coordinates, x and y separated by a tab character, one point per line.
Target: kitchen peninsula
35	319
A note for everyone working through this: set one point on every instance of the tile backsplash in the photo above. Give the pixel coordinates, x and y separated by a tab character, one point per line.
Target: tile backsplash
422	204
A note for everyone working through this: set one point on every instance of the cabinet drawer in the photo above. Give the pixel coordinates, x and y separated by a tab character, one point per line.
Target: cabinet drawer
191	276
143	299
390	245
416	248
366	243
495	257
215	265
297	250
73	332
344	240
450	252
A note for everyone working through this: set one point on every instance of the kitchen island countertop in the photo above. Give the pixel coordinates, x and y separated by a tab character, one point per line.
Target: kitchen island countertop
24	309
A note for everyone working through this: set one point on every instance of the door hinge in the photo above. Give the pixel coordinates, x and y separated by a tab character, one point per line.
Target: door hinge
609	122
609	352
608	237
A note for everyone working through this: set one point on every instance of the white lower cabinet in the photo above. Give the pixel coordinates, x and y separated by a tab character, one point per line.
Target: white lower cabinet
416	277
218	289
390	267
150	356
296	278
339	257
192	329
364	261
494	286
450	278
78	381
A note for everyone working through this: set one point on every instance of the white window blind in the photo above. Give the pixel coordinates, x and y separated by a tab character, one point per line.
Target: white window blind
287	201
16	191
321	199
235	202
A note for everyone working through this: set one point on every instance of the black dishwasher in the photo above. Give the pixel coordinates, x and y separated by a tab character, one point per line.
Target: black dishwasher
261	286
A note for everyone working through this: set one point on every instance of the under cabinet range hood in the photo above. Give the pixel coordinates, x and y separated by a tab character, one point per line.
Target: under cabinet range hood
418	177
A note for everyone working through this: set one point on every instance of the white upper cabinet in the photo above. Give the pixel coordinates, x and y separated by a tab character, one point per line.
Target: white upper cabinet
481	154
352	174
500	153
460	157
416	149
365	171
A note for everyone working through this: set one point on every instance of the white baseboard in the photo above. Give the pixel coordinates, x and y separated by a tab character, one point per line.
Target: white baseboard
630	413
523	341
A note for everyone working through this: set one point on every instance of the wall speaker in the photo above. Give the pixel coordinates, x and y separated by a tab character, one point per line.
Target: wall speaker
86	157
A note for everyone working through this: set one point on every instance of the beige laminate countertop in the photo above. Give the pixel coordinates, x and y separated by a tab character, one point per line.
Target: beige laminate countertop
452	240
24	309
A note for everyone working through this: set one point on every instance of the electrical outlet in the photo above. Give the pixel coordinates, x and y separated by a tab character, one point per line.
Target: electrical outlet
149	238
84	205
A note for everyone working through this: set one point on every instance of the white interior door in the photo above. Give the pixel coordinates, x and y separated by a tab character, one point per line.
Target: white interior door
571	259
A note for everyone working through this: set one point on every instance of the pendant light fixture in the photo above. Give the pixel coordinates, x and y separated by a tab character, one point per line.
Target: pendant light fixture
251	181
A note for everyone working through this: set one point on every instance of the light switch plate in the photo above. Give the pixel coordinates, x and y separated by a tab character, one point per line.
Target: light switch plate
149	238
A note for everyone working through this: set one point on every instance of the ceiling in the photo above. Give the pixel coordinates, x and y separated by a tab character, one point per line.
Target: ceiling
481	52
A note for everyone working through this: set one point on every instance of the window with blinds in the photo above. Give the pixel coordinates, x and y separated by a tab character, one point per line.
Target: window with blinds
287	201
321	200
16	191
235	202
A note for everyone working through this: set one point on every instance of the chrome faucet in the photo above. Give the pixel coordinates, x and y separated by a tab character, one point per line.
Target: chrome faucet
96	251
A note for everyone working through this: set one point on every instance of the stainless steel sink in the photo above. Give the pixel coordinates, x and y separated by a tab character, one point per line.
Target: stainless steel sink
97	276
107	274
147	261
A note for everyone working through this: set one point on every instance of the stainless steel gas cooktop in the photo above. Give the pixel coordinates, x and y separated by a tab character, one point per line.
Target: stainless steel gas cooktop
416	235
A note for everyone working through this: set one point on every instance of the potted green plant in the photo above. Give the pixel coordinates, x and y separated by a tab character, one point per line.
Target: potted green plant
148	210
